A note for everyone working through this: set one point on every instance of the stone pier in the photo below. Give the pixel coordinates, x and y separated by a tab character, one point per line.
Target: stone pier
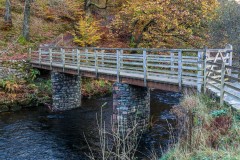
66	90
131	107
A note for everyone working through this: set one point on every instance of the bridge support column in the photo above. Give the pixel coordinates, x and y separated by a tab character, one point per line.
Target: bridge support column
66	90
131	107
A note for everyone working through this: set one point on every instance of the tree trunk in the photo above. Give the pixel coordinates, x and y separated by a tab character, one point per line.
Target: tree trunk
26	20
87	4
8	15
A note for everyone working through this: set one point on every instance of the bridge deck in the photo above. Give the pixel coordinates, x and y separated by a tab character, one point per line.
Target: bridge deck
179	68
154	68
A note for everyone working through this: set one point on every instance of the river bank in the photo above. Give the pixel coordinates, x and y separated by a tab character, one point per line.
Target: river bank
18	94
206	130
22	86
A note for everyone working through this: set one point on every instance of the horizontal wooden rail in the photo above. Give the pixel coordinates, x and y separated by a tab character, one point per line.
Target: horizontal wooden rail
226	83
182	67
178	67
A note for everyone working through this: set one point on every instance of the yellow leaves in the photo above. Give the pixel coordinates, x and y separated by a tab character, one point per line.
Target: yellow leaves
54	10
88	32
176	23
208	8
74	8
9	85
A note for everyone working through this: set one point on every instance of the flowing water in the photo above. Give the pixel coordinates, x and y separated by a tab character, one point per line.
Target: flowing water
41	135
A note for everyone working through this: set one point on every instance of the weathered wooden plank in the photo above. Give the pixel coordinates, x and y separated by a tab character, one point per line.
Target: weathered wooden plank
145	67
180	70
133	68
232	94
222	84
232	86
51	59
199	74
40	56
233	78
78	61
214	86
63	59
118	66
215	80
96	62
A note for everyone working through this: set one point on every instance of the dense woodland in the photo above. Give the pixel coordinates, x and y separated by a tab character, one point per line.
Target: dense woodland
118	23
213	129
108	23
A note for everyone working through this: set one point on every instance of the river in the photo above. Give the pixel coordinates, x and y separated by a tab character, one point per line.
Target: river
41	135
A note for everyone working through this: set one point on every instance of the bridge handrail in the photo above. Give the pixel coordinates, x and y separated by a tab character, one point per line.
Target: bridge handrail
182	67
141	49
175	64
224	83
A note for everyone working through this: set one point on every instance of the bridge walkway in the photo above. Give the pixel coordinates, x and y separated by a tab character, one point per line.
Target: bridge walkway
166	69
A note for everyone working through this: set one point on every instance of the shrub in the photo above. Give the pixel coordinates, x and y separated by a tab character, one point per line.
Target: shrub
88	32
210	132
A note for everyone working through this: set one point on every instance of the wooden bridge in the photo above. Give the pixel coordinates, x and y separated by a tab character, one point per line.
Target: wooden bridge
165	69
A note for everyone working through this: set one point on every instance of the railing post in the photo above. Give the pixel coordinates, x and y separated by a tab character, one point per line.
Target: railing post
50	57
199	72
86	55
145	67
238	63
180	70
172	61
63	58
73	56
230	47
118	66
121	59
78	60
102	56
96	62
40	56
205	71
30	54
223	69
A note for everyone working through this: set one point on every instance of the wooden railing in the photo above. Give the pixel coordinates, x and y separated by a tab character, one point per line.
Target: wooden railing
224	82
200	68
182	67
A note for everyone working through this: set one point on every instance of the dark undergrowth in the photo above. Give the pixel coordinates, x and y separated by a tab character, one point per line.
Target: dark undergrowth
206	131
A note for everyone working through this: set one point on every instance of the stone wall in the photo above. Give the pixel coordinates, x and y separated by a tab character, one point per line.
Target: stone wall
131	106
8	104
6	71
66	91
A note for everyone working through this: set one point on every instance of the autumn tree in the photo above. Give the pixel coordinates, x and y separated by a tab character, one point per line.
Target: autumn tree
88	32
107	5
26	20
8	15
225	28
168	23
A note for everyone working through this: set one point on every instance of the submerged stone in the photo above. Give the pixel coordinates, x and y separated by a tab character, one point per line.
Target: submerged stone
4	108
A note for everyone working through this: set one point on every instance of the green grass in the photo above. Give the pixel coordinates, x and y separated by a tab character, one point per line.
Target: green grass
2	3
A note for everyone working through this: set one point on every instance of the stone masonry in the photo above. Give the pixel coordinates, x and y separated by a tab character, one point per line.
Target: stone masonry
66	91
131	107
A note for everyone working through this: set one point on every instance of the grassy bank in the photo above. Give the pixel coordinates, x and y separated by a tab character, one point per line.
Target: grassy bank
94	88
21	88
207	131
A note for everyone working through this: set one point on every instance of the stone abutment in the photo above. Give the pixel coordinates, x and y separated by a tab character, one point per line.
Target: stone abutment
131	107
66	90
131	104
